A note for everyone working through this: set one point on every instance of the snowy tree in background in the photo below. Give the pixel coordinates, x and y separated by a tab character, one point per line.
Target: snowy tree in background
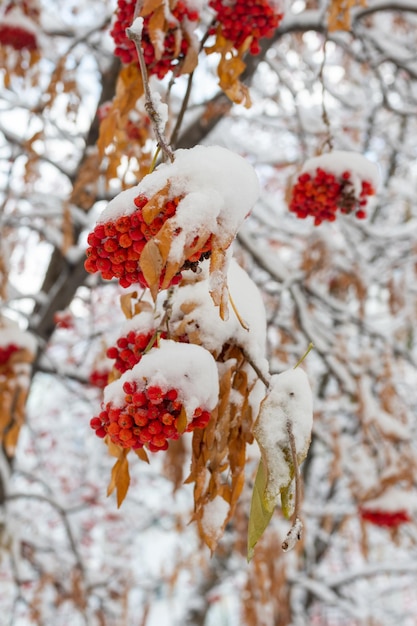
192	195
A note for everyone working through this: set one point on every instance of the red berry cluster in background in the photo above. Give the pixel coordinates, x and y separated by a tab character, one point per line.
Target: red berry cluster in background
99	378
7	351
389	519
64	319
16	35
115	247
323	194
126	50
246	18
149	418
129	350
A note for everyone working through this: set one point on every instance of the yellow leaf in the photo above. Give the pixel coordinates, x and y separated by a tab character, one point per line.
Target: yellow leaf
259	516
287	498
120	478
151	264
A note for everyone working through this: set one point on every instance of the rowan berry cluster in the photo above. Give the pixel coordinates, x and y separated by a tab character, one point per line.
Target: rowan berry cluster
98	378
14	33
389	519
171	56
149	417
115	247
246	18
129	350
323	194
6	352
17	37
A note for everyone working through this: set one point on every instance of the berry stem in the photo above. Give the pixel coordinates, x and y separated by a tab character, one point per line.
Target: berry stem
324	114
236	312
256	369
309	349
154	159
135	35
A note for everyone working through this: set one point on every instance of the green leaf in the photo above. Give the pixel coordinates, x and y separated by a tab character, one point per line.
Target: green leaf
287	500
259	516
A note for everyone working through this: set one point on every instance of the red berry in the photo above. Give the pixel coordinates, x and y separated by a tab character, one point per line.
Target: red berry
95	423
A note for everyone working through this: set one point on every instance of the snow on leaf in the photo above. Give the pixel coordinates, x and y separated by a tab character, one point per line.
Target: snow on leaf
287	403
259	516
213	521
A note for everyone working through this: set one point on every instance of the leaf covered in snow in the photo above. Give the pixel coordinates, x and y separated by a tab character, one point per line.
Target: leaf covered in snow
286	413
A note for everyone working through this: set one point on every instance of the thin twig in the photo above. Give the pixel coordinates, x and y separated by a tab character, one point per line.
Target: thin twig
62	513
324	114
184	106
256	368
236	312
135	35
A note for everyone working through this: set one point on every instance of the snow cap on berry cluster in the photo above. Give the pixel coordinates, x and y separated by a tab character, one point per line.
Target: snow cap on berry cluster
393	499
11	334
145	321
18	30
339	161
188	368
213	190
219	188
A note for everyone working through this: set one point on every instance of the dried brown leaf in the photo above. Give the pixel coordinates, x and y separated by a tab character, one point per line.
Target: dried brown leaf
339	17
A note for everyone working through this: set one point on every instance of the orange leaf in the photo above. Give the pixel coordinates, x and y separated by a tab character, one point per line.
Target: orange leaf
219	292
339	14
155	204
120	478
191	59
156	31
149	6
142	454
107	130
182	421
151	264
10	439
